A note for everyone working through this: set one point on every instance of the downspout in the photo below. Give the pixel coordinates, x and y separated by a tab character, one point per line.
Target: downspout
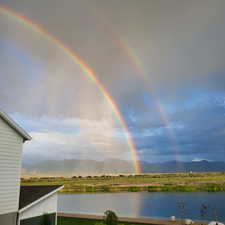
17	218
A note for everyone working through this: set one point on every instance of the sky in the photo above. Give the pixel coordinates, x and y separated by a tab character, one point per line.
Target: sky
162	63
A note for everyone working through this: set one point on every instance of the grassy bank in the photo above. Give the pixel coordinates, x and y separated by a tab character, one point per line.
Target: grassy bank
176	182
76	221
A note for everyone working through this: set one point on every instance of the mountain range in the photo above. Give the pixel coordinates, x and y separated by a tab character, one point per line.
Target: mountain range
69	167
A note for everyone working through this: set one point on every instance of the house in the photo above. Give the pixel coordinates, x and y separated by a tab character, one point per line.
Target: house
33	200
36	201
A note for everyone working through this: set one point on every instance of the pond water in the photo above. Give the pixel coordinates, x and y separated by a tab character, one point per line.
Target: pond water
141	204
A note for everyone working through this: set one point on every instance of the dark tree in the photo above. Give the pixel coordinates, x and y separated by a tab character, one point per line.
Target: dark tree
110	218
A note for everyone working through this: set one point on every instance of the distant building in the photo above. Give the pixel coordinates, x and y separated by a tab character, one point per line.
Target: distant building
19	206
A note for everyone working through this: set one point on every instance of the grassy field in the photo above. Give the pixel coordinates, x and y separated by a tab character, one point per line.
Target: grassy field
176	182
75	221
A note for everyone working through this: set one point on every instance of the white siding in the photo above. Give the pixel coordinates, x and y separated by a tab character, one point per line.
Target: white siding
10	168
48	205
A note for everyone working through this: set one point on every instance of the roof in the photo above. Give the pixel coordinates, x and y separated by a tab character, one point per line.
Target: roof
15	126
30	195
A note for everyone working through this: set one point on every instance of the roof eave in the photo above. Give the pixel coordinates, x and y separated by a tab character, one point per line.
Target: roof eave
41	199
15	126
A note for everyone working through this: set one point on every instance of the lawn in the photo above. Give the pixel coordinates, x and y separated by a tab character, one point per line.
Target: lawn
75	221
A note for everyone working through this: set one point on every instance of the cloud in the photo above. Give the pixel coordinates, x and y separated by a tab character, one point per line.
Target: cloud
54	137
200	132
169	85
199	160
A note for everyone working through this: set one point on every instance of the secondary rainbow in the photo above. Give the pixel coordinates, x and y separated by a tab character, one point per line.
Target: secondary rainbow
138	67
136	62
86	70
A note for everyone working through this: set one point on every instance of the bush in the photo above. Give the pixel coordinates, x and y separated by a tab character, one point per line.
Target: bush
110	218
213	187
105	188
134	189
90	189
154	188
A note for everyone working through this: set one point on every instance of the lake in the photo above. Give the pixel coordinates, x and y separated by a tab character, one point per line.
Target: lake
142	204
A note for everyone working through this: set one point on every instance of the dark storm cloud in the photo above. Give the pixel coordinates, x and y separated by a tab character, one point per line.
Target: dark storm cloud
200	132
174	39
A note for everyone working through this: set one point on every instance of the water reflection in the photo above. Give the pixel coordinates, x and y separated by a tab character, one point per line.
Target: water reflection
158	205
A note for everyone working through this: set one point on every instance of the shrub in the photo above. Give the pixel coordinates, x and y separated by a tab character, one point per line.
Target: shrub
213	187
105	188
134	189
110	218
90	189
154	188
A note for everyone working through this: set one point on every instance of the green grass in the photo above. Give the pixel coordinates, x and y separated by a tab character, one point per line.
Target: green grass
175	182
76	221
73	221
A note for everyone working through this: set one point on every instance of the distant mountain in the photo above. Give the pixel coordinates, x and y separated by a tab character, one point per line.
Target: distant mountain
80	167
70	167
176	166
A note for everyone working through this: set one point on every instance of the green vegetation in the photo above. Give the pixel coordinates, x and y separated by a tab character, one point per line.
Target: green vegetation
110	218
172	188
76	221
207	187
173	182
134	189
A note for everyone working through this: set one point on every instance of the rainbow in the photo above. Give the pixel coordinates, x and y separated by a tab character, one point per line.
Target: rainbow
87	70
137	64
138	68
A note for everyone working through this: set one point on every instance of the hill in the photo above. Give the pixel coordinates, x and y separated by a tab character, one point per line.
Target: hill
114	166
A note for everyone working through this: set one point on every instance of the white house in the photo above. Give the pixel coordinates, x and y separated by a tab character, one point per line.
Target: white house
38	203
34	201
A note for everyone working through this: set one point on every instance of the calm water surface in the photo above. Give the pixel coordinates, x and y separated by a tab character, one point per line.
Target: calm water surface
154	205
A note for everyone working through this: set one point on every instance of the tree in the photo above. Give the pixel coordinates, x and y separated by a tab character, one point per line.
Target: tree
110	218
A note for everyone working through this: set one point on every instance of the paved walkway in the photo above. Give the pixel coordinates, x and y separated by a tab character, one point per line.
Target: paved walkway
126	219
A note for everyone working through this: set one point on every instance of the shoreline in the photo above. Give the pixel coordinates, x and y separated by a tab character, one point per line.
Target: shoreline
208	188
126	219
125	191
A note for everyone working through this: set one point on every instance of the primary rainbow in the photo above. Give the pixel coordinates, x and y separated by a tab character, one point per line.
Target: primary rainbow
139	69
86	70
